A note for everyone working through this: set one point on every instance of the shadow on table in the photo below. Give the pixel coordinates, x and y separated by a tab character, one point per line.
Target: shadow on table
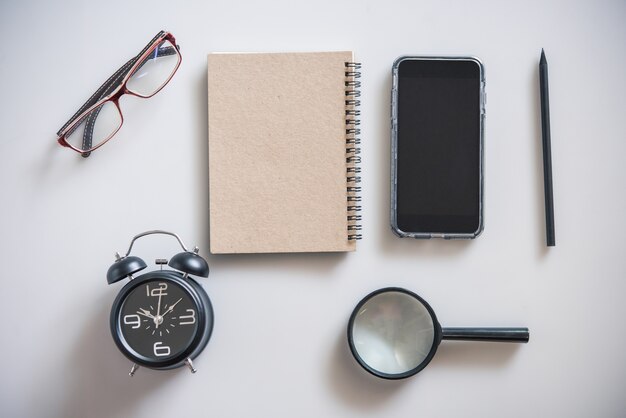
358	388
474	355
97	373
355	386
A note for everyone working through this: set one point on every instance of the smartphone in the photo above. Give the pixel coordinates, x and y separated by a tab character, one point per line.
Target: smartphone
437	130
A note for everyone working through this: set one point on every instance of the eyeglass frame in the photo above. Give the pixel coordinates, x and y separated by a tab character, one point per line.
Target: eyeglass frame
111	91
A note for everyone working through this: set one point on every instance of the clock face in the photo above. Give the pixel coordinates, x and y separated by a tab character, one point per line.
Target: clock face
158	320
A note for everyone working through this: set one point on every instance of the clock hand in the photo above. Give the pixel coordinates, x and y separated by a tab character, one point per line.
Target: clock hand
171	308
145	312
158	318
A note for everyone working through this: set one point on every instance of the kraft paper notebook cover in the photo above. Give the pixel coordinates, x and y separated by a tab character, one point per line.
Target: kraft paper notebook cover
283	163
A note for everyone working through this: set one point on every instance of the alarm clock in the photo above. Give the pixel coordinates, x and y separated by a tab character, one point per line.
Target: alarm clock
161	319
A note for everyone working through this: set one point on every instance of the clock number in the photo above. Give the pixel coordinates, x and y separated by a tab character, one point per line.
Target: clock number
159	291
191	318
161	350
133	320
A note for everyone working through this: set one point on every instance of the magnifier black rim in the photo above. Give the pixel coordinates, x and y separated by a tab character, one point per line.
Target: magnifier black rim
419	367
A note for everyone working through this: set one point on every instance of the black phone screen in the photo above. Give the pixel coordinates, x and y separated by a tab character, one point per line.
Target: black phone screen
438	146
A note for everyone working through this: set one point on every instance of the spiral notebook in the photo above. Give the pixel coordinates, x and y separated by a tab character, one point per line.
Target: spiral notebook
283	152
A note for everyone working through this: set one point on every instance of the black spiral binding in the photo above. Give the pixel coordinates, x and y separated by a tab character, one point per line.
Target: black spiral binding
353	159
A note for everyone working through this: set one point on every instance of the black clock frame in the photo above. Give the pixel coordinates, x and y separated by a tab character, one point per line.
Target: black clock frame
205	319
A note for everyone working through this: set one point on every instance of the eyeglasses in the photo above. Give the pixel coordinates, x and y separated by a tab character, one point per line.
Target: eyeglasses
143	76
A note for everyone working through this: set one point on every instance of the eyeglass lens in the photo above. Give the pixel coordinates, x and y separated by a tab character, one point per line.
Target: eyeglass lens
95	127
155	71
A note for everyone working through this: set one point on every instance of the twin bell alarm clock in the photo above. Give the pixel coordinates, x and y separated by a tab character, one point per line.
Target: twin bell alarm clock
161	319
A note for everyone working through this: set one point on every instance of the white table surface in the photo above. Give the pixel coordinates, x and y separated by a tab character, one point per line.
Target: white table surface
278	347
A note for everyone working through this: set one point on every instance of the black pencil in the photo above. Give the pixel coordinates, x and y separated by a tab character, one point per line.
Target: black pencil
547	151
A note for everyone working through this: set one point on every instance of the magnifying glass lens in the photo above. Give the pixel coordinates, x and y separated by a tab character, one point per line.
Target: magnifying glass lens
393	332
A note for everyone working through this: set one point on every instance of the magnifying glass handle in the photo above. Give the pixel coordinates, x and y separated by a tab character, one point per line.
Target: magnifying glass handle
506	335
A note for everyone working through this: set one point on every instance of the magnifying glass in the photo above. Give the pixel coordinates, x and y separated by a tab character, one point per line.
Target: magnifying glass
393	333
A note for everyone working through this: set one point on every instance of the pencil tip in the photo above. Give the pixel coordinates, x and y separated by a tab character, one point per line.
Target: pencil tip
543	56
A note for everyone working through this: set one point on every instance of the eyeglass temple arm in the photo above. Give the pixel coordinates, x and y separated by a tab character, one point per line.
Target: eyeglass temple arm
107	88
90	122
161	52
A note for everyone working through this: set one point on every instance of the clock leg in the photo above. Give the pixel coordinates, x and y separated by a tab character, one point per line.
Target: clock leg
189	364
133	370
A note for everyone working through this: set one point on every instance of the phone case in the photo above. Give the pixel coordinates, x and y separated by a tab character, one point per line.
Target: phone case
394	152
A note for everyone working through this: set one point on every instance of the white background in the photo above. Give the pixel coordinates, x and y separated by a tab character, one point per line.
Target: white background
278	347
